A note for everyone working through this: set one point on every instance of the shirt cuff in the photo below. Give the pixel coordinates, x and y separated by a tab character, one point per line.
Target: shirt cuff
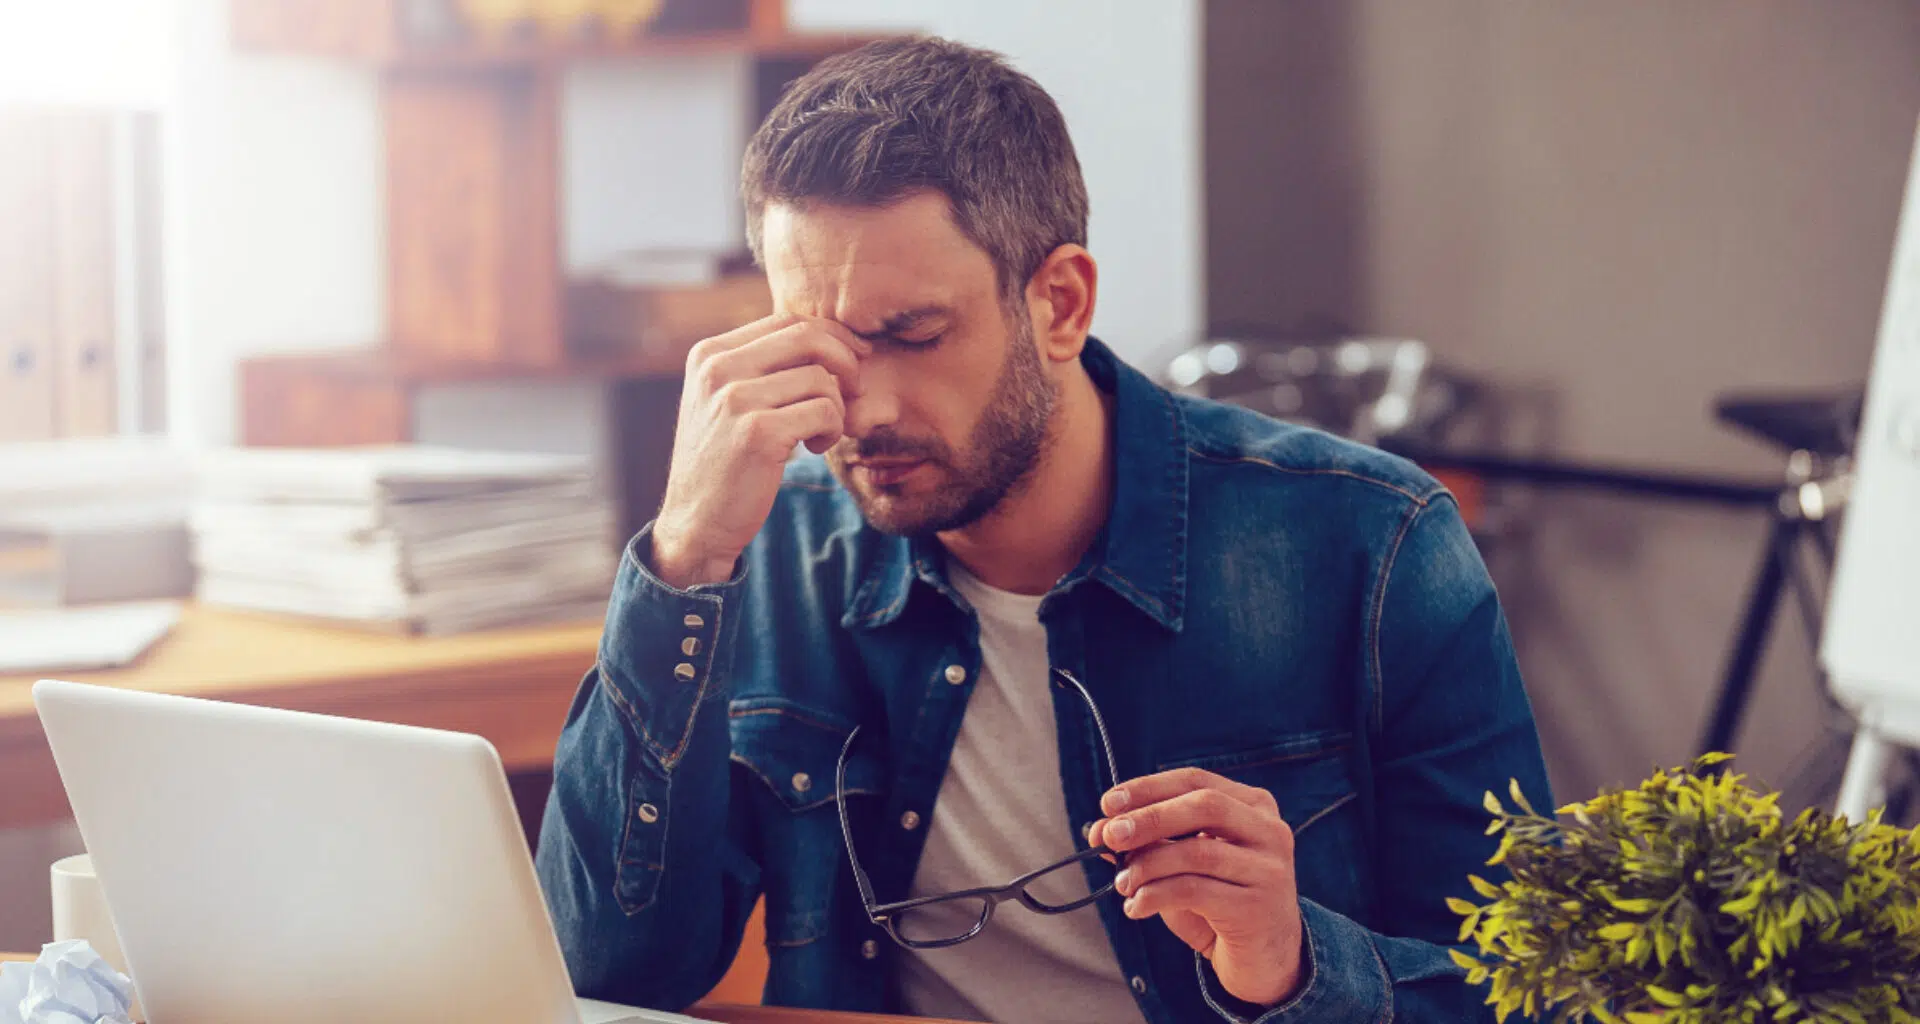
664	648
1345	980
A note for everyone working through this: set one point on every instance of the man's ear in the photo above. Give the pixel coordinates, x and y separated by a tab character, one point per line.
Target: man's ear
1060	297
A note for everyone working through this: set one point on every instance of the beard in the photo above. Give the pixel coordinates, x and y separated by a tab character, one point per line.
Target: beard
1003	448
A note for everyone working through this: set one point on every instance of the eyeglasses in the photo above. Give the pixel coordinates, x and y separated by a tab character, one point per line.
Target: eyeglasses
948	919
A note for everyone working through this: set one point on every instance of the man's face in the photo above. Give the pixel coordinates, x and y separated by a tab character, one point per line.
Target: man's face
956	403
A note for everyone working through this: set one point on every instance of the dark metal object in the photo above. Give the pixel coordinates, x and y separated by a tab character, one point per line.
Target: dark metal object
1818	433
1561	473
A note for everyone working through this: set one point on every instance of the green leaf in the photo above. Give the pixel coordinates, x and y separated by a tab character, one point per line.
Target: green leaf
1616	932
1492	804
1460	906
1665	997
1484	887
1513	790
1663	945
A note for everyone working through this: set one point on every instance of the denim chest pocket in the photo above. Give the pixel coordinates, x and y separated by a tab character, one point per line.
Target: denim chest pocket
792	752
1309	778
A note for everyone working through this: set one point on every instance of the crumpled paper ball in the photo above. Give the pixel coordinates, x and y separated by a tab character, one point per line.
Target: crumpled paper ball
69	984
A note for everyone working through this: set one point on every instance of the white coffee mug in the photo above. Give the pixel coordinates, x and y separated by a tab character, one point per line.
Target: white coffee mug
80	912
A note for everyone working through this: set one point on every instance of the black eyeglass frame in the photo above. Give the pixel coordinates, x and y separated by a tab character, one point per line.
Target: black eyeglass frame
887	915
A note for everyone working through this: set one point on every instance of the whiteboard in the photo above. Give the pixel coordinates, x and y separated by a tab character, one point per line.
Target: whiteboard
1871	642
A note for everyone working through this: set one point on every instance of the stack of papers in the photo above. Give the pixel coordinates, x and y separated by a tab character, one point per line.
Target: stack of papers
420	539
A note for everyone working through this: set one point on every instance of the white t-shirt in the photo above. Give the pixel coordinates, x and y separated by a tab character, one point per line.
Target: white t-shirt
1000	814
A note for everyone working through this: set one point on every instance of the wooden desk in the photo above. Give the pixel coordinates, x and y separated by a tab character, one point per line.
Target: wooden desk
732	1013
511	686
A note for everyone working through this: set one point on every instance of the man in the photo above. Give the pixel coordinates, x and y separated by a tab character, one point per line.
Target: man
1017	555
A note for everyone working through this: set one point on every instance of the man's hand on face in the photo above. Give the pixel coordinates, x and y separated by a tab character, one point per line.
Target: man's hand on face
750	396
1214	860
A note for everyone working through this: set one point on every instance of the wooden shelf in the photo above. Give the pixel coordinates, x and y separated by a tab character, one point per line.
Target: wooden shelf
369	32
388	366
367	396
541	53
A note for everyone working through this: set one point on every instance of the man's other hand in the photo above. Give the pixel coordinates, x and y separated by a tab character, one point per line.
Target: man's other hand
1214	860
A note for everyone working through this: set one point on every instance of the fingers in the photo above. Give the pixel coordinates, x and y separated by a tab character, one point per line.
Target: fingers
1208	810
1210	898
732	357
773	432
781	388
773	323
1207	858
1151	789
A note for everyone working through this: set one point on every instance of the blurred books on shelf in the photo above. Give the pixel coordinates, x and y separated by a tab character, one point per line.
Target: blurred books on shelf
409	538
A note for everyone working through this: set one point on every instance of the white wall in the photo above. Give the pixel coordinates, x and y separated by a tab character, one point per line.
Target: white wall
273	231
652	156
116	52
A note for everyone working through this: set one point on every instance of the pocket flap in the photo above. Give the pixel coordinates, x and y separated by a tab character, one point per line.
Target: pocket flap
1305	773
796	750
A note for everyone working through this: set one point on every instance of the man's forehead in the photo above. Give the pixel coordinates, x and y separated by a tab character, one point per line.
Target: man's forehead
877	269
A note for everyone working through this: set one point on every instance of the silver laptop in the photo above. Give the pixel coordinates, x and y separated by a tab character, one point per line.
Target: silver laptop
266	865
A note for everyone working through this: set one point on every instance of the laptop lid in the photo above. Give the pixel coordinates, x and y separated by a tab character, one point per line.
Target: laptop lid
266	865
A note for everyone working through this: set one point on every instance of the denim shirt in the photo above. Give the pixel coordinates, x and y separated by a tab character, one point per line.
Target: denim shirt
1266	602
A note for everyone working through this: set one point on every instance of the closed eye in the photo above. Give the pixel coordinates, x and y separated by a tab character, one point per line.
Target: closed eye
898	341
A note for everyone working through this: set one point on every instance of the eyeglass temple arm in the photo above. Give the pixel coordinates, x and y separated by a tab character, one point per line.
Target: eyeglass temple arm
846	828
1099	725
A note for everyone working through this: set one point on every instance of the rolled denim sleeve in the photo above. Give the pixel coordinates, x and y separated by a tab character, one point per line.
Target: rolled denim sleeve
641	798
1345	978
1450	721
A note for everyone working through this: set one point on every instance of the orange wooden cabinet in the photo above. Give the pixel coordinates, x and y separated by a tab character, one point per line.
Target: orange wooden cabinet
473	258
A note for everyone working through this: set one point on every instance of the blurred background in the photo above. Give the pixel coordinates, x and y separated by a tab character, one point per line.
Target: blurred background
1613	270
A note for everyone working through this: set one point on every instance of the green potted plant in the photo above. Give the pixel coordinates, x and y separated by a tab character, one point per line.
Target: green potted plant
1692	899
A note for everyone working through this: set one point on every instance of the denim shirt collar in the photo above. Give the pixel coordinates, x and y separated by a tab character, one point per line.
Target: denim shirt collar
1141	551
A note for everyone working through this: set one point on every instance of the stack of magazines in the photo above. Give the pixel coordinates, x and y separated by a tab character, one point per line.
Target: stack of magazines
410	538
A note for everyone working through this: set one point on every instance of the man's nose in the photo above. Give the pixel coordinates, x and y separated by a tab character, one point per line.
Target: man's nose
878	404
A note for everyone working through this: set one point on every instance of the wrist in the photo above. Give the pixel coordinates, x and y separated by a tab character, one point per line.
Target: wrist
682	564
1283	985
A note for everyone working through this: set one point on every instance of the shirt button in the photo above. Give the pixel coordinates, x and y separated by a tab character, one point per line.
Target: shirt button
802	782
683	672
956	674
910	821
690	646
869	949
647	813
693	622
1139	984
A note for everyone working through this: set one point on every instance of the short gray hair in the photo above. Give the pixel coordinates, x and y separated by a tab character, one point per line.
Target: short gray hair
867	127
